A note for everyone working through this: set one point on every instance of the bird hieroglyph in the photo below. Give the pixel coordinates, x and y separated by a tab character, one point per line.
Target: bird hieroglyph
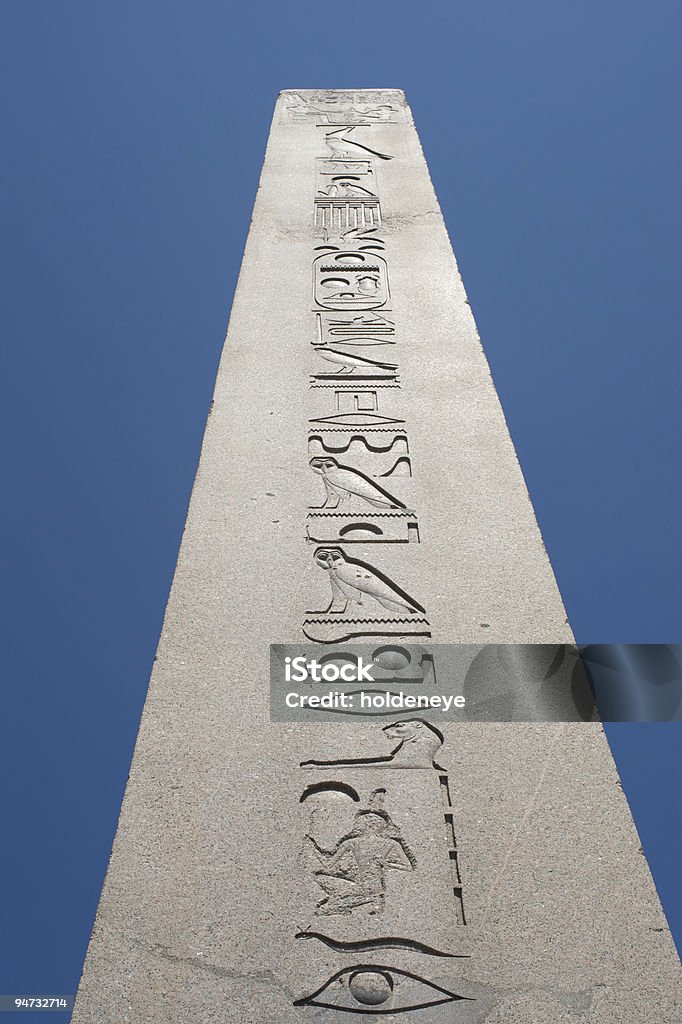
354	581
342	482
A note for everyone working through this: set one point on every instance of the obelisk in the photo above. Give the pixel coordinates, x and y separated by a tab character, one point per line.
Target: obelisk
358	484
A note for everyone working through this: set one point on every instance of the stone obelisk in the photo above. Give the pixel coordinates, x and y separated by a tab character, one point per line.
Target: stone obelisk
358	484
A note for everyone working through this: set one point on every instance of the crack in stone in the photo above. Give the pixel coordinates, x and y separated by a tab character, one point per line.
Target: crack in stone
525	818
264	977
408	218
575	1002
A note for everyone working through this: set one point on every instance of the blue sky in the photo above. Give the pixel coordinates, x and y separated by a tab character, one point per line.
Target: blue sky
133	137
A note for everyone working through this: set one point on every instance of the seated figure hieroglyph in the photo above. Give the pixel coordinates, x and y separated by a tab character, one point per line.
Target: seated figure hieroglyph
353	874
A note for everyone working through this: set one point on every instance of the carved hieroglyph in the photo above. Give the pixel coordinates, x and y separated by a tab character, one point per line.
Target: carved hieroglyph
357	481
354	284
333	106
352	873
371	866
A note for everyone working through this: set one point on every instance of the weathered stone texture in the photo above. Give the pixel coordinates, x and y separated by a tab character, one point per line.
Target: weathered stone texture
217	864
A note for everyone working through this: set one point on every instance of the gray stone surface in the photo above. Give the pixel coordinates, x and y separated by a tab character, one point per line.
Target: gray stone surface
218	865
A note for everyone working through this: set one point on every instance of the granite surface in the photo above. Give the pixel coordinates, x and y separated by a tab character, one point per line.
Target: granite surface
357	480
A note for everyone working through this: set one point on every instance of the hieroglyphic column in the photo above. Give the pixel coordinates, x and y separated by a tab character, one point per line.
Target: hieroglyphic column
357	484
358	441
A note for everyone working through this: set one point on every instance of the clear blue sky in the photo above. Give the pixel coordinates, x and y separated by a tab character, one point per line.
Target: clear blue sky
133	138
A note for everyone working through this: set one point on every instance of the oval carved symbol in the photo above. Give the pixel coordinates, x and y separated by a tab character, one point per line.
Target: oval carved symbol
350	280
378	989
